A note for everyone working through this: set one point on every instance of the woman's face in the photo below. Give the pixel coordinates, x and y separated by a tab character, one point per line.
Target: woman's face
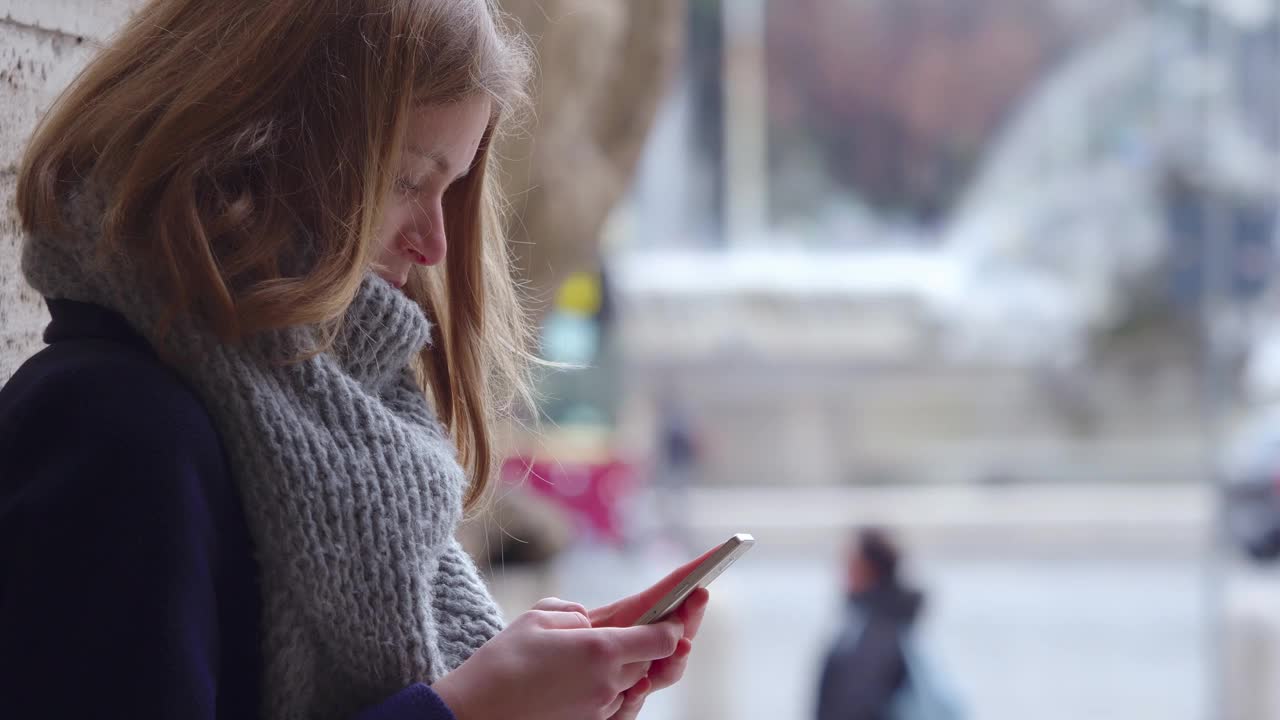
439	151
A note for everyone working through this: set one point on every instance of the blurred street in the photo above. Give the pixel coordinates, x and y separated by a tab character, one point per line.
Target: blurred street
1064	616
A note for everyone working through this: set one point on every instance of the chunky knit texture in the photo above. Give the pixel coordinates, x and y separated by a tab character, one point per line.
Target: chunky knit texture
350	485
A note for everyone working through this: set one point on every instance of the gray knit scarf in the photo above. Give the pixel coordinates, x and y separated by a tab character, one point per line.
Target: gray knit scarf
350	486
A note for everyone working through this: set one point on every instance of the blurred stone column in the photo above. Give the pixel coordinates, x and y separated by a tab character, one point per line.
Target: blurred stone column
746	127
1251	647
709	685
43	44
603	68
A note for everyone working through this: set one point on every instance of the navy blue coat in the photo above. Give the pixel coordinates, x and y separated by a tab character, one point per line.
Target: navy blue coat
128	584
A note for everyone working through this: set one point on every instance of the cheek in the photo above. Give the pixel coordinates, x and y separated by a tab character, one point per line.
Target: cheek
389	227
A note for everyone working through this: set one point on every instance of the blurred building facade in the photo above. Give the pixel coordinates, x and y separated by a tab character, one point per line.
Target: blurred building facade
940	257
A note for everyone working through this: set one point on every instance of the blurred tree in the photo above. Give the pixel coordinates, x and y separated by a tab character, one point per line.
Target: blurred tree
895	100
602	71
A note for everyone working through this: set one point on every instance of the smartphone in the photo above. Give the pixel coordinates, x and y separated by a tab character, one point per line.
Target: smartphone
701	576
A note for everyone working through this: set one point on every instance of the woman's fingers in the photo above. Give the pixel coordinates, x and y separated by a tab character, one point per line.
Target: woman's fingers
558	605
632	701
558	620
667	672
611	710
637	644
633	673
653	656
557	614
692	610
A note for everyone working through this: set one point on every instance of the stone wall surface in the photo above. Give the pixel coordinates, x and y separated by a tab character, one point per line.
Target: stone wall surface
43	44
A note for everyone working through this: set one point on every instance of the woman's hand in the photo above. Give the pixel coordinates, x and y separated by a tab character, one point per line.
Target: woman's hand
551	664
665	672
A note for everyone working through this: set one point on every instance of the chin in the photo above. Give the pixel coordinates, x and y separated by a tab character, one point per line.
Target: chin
395	281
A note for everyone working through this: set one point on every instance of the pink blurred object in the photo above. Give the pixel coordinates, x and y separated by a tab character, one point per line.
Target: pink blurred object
594	492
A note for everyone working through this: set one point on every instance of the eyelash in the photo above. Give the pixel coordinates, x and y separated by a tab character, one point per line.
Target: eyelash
410	188
407	187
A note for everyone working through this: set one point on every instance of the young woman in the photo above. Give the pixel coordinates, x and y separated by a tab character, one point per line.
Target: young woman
283	323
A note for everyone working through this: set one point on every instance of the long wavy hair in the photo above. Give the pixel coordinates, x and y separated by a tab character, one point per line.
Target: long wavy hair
241	135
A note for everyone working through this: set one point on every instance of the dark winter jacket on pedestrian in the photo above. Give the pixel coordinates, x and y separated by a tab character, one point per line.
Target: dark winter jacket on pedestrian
865	668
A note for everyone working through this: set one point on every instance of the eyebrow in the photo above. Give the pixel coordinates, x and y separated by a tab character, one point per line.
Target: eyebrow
438	160
430	155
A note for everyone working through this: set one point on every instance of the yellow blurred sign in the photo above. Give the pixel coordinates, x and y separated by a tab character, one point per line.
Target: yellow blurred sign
580	294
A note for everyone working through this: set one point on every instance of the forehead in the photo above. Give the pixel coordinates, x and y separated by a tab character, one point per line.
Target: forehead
436	129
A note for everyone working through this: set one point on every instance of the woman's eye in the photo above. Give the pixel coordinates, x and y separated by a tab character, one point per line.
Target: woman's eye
406	186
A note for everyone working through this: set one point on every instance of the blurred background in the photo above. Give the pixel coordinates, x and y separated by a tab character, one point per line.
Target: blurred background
994	275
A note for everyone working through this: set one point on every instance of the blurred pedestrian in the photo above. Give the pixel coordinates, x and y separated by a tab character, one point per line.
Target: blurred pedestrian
676	470
874	670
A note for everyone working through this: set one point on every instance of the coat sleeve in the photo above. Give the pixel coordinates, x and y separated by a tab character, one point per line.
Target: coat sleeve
416	702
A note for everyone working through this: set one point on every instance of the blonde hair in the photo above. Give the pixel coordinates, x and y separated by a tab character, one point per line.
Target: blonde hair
250	146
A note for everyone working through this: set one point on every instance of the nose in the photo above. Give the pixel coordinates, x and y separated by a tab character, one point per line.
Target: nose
424	238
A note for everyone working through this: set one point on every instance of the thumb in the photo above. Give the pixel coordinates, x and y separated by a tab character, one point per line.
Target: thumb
626	611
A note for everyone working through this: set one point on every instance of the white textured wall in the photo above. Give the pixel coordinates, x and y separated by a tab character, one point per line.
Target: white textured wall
43	44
